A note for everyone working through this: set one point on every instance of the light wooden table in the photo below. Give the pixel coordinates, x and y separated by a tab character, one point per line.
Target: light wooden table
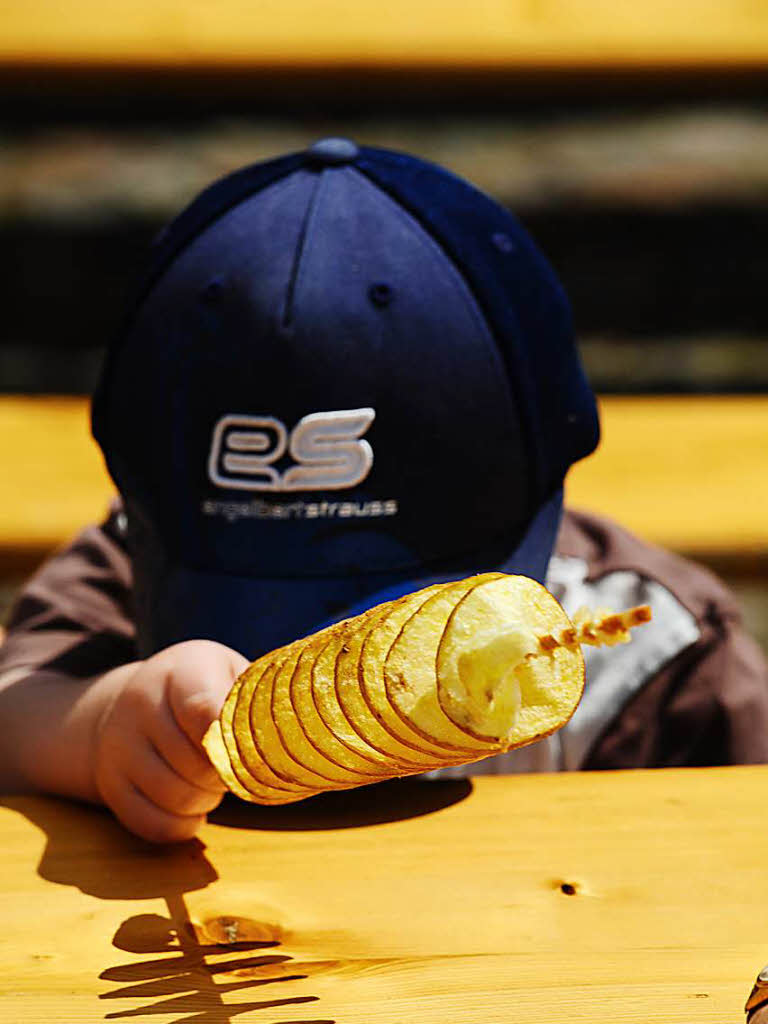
610	898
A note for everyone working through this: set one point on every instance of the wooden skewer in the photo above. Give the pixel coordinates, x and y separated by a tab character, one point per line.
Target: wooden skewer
597	632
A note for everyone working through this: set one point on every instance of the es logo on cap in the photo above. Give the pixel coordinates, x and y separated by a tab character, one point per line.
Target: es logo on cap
325	445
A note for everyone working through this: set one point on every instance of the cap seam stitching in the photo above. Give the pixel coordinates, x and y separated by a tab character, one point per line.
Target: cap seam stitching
286	319
516	393
490	348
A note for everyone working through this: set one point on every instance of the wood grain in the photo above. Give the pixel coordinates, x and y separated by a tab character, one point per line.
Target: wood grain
326	32
612	897
688	473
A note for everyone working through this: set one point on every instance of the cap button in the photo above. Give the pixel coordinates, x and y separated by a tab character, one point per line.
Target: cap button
332	152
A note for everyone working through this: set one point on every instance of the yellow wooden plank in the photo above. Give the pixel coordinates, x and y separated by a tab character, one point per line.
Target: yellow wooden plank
54	480
450	33
403	907
689	473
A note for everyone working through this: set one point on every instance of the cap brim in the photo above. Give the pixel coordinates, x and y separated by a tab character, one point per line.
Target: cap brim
256	615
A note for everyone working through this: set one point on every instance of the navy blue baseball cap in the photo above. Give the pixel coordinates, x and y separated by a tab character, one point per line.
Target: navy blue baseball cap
347	374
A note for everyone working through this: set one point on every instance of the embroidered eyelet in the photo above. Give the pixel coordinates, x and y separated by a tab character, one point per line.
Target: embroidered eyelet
381	294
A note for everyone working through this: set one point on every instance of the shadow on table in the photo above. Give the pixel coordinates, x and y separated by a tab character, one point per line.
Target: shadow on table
377	804
86	848
193	965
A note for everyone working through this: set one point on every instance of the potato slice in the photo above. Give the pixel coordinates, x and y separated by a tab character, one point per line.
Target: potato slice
331	712
494	681
227	736
376	646
213	742
317	732
257	688
410	672
349	692
260	791
310	762
266	736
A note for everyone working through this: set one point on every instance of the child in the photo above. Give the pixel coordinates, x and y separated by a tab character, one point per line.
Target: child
347	374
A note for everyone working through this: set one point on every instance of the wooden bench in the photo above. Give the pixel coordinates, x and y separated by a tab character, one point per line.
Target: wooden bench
497	34
687	473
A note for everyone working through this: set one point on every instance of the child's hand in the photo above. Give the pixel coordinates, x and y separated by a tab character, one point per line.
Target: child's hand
149	764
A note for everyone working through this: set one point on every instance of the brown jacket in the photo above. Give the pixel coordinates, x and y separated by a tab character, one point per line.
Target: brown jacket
691	689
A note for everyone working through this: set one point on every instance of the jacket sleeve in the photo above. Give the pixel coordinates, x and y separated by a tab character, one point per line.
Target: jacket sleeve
708	706
74	616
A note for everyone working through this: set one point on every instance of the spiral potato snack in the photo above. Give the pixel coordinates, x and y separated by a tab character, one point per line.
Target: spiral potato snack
444	676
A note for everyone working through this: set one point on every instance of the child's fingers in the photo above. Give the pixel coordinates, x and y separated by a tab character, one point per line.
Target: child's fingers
202	676
157	780
143	817
150	767
187	759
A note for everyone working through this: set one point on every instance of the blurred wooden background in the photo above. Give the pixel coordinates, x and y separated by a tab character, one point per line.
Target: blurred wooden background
630	139
496	33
